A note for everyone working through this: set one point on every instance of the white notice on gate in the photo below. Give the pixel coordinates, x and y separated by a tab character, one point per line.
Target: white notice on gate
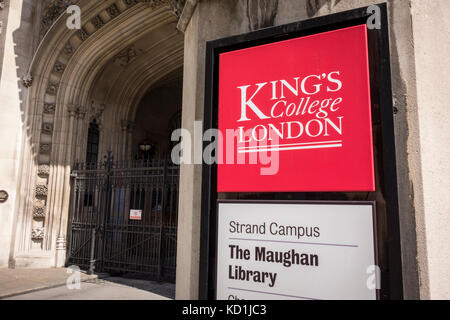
296	251
135	214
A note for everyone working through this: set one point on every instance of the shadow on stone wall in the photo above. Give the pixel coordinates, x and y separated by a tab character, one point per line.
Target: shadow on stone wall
313	6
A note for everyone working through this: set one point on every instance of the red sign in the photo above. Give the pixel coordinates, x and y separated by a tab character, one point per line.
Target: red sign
299	112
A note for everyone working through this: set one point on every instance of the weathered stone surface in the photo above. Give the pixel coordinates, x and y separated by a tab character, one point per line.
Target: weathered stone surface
41	190
37	233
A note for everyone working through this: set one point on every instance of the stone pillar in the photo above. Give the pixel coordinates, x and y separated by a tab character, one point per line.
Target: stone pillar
60	257
16	24
123	140
79	137
431	30
129	144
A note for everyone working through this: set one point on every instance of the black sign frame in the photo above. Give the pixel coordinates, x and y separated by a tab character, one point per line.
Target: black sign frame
380	88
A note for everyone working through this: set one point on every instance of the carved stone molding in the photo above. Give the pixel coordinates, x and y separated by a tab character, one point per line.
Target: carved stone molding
39	212
81	113
37	234
155	4
27	80
130	3
2	4
49	108
97	22
45	148
68	49
124	57
113	11
53	12
47	127
61	243
52	87
82	34
177	7
41	190
43	170
59	67
72	110
96	112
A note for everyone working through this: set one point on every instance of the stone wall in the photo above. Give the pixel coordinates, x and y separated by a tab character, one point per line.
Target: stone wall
419	121
431	171
17	47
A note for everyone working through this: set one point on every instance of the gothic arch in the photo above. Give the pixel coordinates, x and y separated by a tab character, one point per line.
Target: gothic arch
70	84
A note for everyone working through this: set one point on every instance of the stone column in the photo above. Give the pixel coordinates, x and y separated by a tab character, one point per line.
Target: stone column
123	140
61	240
129	146
79	137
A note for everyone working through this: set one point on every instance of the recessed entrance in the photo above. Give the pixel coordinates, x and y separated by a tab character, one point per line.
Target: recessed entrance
124	212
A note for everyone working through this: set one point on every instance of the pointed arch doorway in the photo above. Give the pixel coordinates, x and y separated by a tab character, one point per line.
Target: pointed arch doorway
124	212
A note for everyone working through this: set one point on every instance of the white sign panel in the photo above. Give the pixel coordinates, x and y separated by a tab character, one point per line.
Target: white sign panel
135	214
295	251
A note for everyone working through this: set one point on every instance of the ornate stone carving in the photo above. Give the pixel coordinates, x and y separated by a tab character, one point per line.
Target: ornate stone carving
113	11
96	112
49	108
72	110
37	234
45	148
39	212
44	170
68	49
97	22
47	127
27	80
59	67
53	12
130	3
82	34
52	87
177	7
125	56
155	4
41	190
81	113
2	4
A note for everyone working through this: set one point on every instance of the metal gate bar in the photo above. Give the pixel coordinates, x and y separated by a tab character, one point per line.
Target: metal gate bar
102	197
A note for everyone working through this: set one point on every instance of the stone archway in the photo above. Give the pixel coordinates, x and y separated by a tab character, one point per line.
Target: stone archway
100	72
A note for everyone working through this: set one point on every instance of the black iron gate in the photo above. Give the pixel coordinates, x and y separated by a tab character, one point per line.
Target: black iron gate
105	236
